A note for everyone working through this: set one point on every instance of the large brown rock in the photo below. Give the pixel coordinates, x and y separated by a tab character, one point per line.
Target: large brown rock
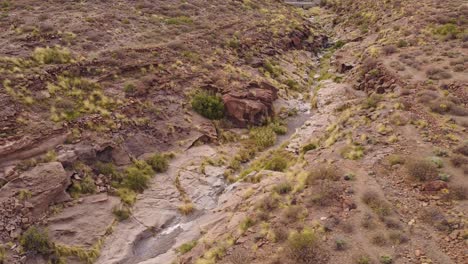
252	106
46	182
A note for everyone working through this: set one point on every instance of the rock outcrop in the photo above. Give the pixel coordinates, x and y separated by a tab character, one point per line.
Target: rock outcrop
251	106
45	184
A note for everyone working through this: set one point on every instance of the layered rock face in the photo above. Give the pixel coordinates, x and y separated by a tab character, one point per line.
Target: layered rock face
25	198
251	106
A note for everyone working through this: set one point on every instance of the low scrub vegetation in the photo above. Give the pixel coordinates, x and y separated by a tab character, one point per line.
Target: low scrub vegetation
36	240
377	204
137	176
421	170
304	247
208	105
263	137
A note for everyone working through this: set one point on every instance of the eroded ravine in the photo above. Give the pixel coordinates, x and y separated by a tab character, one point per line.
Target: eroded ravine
156	228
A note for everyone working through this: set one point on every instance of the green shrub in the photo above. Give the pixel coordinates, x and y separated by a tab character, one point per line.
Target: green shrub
352	152
283	188
279	128
372	101
35	240
386	259
263	137
309	147
186	247
246	224
127	196
180	20
49	55
209	106
108	169
158	162
138	176
303	247
363	260
278	162
121	213
448	30
88	185
274	70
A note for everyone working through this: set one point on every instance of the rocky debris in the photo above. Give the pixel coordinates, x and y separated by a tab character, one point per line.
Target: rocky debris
72	225
45	184
379	80
303	39
251	106
434	186
15	216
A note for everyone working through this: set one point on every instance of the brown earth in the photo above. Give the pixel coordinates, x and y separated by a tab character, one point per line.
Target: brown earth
372	170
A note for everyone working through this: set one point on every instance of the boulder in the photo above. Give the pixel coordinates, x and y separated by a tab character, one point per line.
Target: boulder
251	106
72	226
46	183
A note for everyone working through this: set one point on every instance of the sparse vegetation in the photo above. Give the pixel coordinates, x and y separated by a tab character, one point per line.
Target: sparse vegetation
263	137
121	213
186	247
376	203
47	55
159	162
36	240
137	176
208	105
303	247
422	170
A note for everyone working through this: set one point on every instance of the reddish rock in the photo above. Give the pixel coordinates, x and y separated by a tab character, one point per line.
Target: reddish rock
251	106
434	186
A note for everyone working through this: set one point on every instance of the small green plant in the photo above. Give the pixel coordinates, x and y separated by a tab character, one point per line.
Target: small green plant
35	240
180	20
283	188
138	176
352	152
263	137
309	147
372	101
108	169
386	259
49	55
24	195
303	247
127	196
207	105
274	70
129	88
437	162
121	213
277	162
186	247
449	31
340	244
363	260
246	224
159	162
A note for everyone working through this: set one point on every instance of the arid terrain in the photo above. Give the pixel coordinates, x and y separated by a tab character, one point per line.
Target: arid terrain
233	132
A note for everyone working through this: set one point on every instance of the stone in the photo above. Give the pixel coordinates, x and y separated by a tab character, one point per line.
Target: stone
46	182
252	106
434	186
